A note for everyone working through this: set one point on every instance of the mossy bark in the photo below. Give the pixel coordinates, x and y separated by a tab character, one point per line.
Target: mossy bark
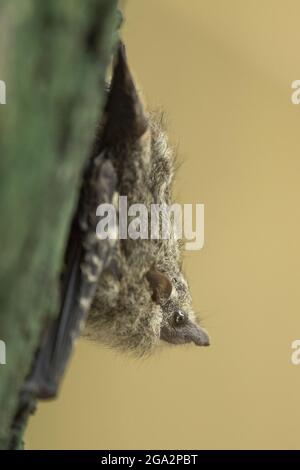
53	58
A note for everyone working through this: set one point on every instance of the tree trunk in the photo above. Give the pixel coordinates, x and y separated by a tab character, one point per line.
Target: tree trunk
53	59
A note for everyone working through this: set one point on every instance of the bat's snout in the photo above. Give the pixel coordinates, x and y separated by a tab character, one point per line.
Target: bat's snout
200	337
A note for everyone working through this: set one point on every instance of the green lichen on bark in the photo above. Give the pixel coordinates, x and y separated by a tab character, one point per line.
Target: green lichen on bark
54	56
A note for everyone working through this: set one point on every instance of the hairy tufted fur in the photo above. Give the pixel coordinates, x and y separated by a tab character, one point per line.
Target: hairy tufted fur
125	312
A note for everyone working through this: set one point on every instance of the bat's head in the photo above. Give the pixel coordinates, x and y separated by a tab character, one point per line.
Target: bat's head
179	325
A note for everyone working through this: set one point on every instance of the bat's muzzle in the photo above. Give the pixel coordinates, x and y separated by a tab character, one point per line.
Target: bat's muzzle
199	336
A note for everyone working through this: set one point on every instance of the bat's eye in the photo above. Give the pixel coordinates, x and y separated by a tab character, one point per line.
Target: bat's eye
179	317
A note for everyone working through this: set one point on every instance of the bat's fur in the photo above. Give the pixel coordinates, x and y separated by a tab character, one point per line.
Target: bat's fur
143	286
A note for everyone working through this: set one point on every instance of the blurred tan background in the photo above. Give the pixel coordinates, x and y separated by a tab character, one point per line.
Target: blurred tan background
222	71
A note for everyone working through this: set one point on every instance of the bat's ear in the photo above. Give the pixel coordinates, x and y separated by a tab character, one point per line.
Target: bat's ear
124	112
160	284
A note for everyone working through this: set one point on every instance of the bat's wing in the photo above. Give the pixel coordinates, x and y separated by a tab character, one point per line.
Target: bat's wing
86	257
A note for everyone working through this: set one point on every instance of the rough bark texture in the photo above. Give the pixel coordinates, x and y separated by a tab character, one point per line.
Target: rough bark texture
54	57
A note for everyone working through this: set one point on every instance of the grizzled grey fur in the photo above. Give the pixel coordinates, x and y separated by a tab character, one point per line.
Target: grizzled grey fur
142	296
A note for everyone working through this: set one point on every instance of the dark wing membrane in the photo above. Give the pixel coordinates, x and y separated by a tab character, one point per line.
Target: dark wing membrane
86	257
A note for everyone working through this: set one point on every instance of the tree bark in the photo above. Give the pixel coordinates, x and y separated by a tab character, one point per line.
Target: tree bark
53	58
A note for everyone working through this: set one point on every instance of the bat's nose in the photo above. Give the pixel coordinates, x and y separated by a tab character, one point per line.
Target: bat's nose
206	341
201	338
